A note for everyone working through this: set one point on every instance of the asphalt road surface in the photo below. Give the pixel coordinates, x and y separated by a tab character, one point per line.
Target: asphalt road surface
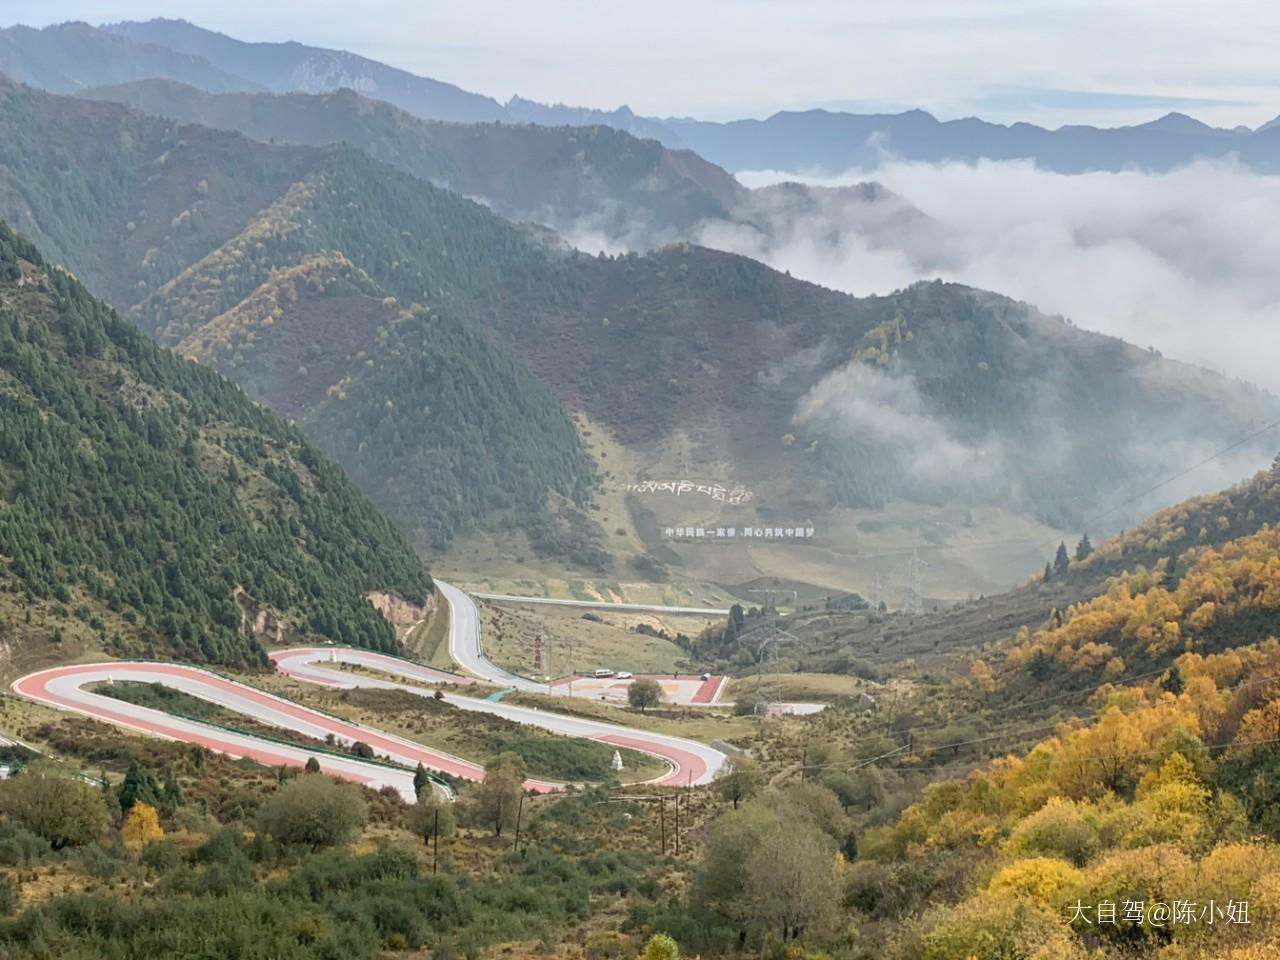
63	688
465	644
692	763
466	648
602	604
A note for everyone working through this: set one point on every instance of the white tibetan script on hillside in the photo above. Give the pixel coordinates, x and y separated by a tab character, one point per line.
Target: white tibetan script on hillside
732	495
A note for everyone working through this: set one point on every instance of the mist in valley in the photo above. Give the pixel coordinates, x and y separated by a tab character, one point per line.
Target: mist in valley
1076	469
1183	261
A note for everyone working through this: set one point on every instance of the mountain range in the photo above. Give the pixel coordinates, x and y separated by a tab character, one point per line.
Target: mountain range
597	186
69	57
441	353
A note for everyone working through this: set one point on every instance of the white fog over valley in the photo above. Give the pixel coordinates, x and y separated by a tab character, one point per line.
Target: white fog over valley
1185	261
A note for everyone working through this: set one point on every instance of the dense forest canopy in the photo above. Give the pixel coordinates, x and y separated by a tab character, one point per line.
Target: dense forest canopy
161	504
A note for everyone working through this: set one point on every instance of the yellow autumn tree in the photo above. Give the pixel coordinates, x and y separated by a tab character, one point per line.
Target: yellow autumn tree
1060	829
1043	879
982	676
141	826
1259	728
661	947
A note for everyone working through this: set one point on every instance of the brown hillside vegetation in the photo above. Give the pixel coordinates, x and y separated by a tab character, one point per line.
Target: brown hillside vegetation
298	334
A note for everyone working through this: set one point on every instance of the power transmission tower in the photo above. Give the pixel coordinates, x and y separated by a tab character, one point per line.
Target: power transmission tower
766	640
769	605
915	596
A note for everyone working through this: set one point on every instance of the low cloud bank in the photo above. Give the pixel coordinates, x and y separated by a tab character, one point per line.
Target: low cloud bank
1187	262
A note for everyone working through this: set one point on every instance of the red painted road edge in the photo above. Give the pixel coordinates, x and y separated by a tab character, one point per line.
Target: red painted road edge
686	766
35	687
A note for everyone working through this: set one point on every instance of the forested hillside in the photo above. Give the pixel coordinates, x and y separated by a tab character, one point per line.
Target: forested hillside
998	400
1211	582
1099	786
1159	792
938	393
601	187
1136	594
127	201
182	224
594	180
815	399
438	424
1157	801
149	506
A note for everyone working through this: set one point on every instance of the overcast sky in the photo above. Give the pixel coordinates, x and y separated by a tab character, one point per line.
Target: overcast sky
1086	61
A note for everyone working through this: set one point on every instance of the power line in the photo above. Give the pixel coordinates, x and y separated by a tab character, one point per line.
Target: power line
1101	757
1026	731
1093	520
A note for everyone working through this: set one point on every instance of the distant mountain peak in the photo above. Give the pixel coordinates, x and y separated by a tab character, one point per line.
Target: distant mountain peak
1175	122
70	56
76	56
292	67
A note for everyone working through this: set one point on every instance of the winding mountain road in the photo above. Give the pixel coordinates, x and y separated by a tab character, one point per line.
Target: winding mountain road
64	688
465	646
692	763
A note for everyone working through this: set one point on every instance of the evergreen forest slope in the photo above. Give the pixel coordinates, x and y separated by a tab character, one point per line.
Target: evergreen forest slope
149	507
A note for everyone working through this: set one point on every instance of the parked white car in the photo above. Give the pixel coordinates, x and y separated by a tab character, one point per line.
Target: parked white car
623	675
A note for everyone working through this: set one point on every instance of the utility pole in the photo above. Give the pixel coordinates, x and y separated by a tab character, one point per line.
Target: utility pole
662	818
519	816
677	824
435	855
